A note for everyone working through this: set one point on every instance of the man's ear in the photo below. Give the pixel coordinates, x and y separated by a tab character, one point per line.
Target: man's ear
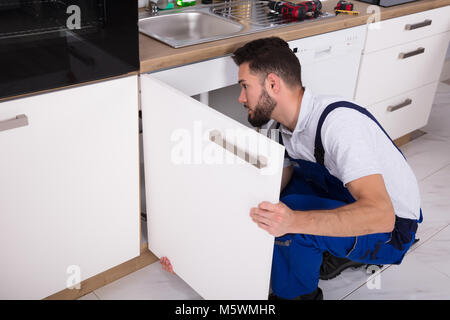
273	83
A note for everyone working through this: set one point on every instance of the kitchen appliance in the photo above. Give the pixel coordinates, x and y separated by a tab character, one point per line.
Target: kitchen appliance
387	3
46	44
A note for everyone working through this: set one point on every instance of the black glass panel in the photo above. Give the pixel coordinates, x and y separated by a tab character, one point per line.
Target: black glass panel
53	43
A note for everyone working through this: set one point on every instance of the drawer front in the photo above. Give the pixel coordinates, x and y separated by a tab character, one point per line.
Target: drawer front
406	112
389	72
389	33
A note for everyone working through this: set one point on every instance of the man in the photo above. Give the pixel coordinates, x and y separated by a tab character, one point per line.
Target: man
346	188
351	192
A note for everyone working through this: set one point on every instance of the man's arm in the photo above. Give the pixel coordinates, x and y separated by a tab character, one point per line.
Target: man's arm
286	177
372	212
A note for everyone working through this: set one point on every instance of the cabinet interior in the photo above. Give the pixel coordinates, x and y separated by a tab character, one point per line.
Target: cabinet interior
225	100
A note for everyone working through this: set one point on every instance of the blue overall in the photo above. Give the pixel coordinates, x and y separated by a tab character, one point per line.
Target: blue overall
297	257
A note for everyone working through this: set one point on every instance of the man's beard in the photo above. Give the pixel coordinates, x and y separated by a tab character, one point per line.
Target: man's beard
263	110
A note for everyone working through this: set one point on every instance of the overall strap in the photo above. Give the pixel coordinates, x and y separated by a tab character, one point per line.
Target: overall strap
319	152
280	141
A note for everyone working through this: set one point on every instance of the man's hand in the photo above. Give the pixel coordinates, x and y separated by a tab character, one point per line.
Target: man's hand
166	265
277	219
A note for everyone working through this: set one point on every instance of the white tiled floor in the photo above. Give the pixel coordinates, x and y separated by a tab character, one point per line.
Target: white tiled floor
424	272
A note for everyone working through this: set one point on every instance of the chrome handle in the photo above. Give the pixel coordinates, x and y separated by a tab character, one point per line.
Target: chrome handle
404	55
19	121
400	105
216	137
425	23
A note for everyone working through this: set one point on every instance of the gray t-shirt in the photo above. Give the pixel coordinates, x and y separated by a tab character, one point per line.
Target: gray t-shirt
355	147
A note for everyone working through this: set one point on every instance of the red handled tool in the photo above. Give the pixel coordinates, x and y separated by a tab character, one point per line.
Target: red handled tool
344	5
296	11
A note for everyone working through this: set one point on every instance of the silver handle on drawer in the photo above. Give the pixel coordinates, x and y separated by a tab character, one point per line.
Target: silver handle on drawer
400	105
19	121
425	23
404	55
259	162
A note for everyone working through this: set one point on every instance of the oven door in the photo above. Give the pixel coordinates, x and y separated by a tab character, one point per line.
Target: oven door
46	44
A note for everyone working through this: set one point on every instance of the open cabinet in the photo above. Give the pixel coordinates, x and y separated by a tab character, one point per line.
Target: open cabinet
199	191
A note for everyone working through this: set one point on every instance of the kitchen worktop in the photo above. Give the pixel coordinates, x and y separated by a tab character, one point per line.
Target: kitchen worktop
155	55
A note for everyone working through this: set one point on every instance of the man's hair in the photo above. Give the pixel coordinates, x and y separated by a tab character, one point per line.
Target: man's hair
270	55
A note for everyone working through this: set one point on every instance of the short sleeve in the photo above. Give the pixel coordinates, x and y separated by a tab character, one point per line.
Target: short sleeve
349	140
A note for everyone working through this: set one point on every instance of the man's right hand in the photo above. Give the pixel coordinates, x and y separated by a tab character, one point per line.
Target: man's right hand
166	265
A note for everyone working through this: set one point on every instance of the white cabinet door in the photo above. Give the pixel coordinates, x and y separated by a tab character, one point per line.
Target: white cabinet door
199	194
69	187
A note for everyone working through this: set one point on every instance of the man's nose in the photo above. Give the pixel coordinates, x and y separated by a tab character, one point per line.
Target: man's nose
242	98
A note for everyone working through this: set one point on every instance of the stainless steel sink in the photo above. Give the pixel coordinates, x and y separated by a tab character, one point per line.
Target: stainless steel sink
188	27
204	23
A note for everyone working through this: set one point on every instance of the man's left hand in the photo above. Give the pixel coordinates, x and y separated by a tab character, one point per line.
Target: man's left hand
277	219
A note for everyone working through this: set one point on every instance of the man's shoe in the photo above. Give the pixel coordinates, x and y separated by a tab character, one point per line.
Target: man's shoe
315	295
333	266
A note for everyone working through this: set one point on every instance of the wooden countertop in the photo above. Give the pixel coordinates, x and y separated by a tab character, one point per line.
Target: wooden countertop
155	55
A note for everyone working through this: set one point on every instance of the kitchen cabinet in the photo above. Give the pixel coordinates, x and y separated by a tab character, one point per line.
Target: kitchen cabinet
69	186
402	57
199	192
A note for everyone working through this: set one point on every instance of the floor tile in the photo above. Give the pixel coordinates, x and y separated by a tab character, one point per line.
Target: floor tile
435	196
348	281
149	283
413	279
438	121
435	253
427	154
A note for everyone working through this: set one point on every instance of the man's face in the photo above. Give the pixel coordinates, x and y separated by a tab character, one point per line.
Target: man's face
254	97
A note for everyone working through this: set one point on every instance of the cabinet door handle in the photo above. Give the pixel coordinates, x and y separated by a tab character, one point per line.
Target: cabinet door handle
404	55
400	105
19	121
413	26
216	137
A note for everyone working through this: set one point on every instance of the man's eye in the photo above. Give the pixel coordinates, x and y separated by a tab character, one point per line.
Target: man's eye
244	86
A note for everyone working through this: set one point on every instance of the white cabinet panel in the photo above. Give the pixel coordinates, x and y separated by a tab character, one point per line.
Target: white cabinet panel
408	28
330	61
199	195
384	74
406	112
69	187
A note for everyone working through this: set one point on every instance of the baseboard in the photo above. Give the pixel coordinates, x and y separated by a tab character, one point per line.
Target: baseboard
146	257
403	140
